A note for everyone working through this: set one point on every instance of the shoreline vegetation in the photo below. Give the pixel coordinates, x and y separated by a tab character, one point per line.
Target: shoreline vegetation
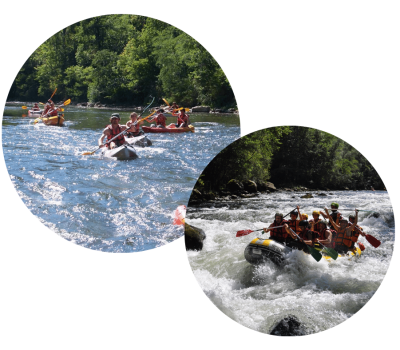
121	60
285	158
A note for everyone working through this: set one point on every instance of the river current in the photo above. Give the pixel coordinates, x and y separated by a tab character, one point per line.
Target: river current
105	204
321	294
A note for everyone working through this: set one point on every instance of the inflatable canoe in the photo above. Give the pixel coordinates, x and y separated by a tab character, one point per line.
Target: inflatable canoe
124	152
56	120
169	129
32	113
140	141
260	250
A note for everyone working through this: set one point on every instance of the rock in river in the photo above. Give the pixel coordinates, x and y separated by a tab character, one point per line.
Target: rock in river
194	237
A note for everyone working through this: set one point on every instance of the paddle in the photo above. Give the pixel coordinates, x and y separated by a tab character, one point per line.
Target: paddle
330	251
314	253
166	102
66	103
246	232
351	210
373	241
179	109
53	94
147	107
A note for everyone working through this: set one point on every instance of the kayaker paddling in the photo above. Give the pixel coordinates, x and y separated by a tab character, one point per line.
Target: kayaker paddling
160	119
183	119
335	215
35	107
111	131
133	126
294	222
307	236
325	235
278	234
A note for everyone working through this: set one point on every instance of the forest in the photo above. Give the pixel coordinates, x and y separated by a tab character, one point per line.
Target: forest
291	156
123	59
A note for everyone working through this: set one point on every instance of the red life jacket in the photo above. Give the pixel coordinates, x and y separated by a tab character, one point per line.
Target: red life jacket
323	237
309	235
317	227
53	113
182	118
161	119
336	217
355	234
294	225
342	239
120	139
279	234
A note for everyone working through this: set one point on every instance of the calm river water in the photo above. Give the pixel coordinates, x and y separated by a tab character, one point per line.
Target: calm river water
105	204
321	294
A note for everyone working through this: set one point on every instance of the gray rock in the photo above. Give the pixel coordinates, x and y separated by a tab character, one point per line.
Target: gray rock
289	326
234	185
308	195
194	237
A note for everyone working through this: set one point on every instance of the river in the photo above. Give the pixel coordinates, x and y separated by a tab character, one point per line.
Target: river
105	204
321	294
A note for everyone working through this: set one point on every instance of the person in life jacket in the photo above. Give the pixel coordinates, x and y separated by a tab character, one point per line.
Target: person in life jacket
336	216
304	216
160	119
325	234
183	120
133	126
307	236
278	234
358	230
35	107
45	109
111	131
315	221
343	241
293	223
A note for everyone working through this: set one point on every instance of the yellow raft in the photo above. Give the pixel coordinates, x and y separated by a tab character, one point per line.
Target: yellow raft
55	120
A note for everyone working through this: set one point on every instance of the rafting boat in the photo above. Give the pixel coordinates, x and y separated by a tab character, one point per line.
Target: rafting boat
32	113
124	152
56	120
260	250
169	129
140	141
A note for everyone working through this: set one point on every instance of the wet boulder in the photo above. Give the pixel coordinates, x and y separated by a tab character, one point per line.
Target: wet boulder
234	185
289	326
307	195
271	187
194	237
250	186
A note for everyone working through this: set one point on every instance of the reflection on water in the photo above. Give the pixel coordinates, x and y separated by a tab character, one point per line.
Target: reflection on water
104	204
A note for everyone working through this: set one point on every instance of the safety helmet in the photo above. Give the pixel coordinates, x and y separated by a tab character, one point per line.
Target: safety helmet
279	214
335	205
324	222
352	216
303	223
304	215
316	212
293	212
343	219
115	115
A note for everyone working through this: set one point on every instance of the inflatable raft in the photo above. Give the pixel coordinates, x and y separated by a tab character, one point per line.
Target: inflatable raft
260	250
124	152
169	129
140	141
32	113
56	120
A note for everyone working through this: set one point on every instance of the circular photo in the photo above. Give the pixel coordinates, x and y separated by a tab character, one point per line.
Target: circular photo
289	231
108	125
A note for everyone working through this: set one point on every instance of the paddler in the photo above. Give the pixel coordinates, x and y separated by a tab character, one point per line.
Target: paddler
315	221
325	234
35	107
335	215
308	236
111	131
133	126
160	119
293	222
358	230
278	234
343	241
183	120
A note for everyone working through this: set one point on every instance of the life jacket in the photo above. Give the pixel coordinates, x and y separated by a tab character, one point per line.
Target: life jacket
355	234
279	234
309	235
53	113
323	237
161	119
183	118
294	225
335	217
120	139
342	239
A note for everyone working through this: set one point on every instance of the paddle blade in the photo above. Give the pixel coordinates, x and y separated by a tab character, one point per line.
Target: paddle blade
373	241
24	115
331	252
165	101
24	107
362	247
179	215
314	253
36	121
243	233
67	102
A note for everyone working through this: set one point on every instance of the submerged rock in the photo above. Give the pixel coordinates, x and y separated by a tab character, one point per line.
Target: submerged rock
289	326
194	237
308	195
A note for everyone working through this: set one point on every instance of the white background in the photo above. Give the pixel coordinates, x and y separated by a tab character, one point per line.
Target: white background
328	65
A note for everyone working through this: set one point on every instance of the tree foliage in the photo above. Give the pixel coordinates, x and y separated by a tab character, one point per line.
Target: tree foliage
291	156
123	59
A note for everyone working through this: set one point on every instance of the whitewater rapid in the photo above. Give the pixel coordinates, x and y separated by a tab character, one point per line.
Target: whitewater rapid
320	294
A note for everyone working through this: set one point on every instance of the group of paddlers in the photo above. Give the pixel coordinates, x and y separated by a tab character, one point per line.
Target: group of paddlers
115	130
338	233
49	109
